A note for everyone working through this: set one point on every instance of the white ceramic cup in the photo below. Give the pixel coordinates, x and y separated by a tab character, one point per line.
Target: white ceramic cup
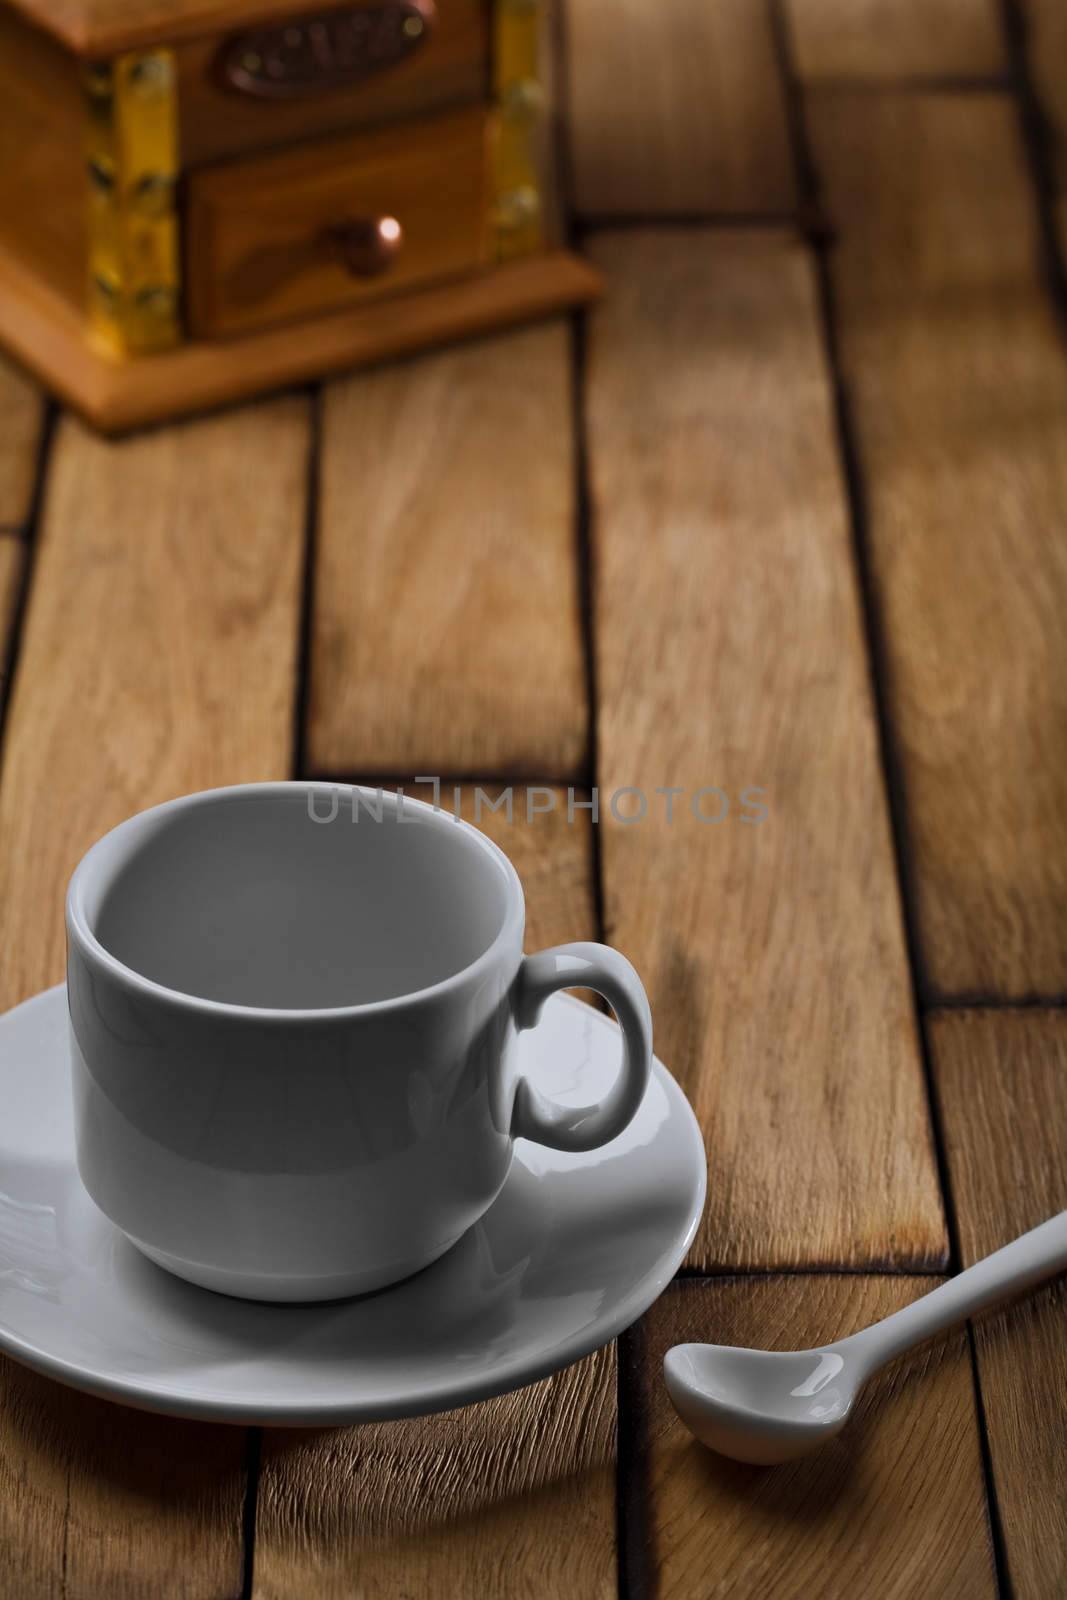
293	1014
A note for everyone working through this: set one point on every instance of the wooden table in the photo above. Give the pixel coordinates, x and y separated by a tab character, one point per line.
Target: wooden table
787	512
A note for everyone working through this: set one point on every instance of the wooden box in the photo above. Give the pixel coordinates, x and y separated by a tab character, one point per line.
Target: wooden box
204	198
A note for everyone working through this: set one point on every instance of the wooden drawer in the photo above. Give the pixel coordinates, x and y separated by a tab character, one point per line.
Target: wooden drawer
323	84
289	235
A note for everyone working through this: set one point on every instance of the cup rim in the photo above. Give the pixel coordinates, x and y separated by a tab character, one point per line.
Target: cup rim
82	935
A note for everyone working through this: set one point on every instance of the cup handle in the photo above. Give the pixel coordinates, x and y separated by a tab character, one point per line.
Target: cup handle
584	966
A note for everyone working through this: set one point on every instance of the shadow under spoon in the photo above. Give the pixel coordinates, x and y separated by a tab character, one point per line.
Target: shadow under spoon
766	1407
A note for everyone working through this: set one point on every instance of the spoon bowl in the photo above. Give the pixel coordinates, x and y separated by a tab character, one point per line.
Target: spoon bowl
766	1407
760	1406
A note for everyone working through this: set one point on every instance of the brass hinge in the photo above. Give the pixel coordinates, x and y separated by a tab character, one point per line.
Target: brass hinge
518	110
132	169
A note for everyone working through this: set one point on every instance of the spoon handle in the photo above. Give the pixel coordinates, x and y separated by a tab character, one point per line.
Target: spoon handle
1020	1265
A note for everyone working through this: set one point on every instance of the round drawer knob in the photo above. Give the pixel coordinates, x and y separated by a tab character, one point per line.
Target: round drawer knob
368	245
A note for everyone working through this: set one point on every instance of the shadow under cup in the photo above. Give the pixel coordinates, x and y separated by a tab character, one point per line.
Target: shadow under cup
292	1027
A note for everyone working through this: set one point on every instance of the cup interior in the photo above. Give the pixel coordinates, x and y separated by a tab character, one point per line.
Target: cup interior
262	898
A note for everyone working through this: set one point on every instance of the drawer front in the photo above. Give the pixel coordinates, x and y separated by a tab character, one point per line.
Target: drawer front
326	71
337	223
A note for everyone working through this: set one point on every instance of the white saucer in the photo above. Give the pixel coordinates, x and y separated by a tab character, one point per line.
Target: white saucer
573	1250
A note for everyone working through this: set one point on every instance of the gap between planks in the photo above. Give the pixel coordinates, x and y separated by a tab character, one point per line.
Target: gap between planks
1020	1551
676	519
700	126
878	43
1000	1079
894	1506
1037	43
24	426
515	1496
852	472
956	381
122	698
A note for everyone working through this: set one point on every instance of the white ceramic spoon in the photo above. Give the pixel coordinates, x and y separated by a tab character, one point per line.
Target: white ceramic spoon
767	1407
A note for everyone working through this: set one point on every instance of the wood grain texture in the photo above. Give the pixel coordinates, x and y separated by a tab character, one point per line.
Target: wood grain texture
260	244
729	653
12	565
552	855
886	39
158	656
158	651
958	383
446	631
515	1497
893	1508
21	421
98	1501
1000	1078
45	332
675	108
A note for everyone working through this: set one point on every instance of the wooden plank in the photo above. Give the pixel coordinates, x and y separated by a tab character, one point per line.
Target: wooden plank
958	384
514	1497
158	656
12	563
98	1502
447	636
159	648
730	653
675	109
894	1507
1000	1078
886	39
552	855
21	418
